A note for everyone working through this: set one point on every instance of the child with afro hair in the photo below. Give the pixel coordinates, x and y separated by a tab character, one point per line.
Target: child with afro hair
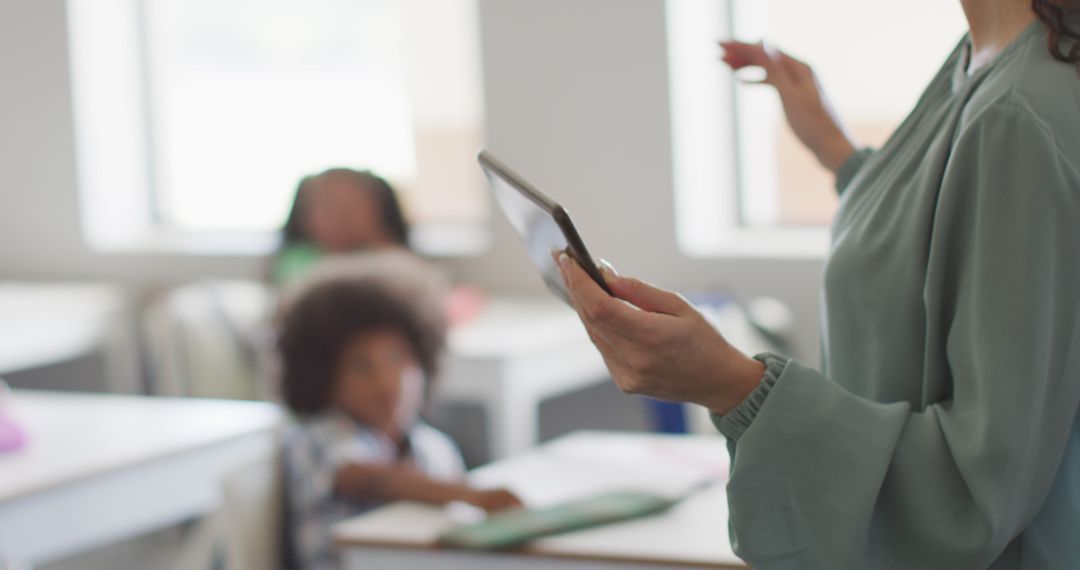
359	346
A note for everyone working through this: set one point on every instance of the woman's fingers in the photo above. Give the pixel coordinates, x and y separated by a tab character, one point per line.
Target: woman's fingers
593	304
740	55
586	296
648	297
656	349
795	69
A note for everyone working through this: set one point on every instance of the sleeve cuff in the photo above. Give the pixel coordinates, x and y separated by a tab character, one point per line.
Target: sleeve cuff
734	423
851	167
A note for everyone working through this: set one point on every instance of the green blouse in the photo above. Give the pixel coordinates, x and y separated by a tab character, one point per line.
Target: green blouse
942	429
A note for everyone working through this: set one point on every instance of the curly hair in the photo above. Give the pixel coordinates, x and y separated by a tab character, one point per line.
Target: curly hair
318	324
1062	20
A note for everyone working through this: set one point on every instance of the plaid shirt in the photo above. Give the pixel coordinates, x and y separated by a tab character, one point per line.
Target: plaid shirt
317	447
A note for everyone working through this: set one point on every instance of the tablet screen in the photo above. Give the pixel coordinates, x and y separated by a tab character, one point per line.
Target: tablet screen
537	228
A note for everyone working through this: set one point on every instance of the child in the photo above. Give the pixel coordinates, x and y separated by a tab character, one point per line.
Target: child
357	355
338	211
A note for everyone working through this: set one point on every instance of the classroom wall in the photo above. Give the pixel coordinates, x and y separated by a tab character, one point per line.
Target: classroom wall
576	99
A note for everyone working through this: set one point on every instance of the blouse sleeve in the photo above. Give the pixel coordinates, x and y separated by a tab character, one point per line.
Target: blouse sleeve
822	478
850	167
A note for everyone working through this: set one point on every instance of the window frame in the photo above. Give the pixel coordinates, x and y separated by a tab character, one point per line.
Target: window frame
710	197
115	151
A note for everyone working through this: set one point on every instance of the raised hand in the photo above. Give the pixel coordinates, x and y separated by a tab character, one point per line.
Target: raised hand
808	111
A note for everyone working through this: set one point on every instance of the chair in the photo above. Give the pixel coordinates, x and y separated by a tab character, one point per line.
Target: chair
206	339
246	531
254	516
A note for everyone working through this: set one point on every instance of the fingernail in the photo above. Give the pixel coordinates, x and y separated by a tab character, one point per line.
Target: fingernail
608	268
564	261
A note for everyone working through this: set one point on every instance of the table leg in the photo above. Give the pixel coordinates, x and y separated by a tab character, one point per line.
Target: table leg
512	421
121	356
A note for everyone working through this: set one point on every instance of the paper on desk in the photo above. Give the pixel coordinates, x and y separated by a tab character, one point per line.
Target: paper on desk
595	463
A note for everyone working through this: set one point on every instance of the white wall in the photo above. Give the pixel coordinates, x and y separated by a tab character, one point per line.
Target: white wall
576	99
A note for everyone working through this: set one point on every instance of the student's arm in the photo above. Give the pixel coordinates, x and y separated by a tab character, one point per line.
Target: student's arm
381	482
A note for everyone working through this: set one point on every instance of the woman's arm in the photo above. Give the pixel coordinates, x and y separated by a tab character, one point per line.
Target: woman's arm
806	107
391	482
823	478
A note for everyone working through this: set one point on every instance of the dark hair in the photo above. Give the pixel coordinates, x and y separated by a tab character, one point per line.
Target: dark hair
365	181
1062	20
317	325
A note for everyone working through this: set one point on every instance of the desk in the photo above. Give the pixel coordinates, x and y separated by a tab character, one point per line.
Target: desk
100	468
691	535
512	356
47	323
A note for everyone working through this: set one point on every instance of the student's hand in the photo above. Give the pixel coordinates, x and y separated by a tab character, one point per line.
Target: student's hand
656	344
494	500
807	109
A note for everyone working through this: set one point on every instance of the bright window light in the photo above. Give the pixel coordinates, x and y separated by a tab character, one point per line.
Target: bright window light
744	185
228	103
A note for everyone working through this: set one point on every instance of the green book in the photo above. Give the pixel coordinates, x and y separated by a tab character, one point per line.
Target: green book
516	527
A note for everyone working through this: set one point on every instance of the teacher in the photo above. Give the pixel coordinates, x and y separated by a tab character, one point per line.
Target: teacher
941	431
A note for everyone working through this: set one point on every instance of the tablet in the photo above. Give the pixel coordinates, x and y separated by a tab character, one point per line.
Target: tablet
543	225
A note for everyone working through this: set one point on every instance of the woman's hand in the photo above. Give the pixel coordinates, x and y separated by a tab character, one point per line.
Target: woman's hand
807	109
658	345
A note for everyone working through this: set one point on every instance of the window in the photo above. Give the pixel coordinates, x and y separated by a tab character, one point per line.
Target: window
744	184
197	118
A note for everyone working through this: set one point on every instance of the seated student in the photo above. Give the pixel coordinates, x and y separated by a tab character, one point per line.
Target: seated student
339	210
358	349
